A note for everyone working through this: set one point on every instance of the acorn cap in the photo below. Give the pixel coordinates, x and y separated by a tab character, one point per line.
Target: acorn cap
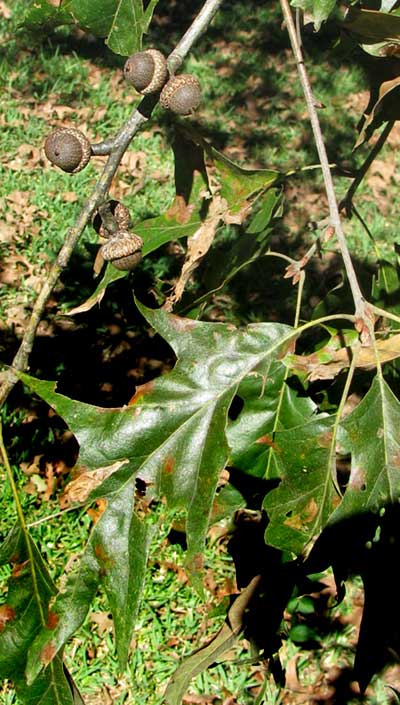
182	94
146	70
121	215
68	148
123	250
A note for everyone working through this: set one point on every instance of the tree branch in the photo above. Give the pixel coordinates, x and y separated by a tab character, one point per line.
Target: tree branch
115	148
362	309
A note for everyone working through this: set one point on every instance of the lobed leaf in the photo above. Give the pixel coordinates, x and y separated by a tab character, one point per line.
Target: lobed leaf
173	438
190	207
269	405
116	555
300	507
372	432
24	613
121	22
317	10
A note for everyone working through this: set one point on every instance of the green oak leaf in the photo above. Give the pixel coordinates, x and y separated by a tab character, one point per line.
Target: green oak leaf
24	612
269	405
115	555
318	10
189	209
300	507
173	438
43	16
372	433
371	26
122	23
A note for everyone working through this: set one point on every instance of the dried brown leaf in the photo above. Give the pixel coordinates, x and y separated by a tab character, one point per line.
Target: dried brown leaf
198	246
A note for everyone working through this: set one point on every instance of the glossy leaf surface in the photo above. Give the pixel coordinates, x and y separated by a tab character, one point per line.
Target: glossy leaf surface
300	507
25	611
372	431
173	438
269	405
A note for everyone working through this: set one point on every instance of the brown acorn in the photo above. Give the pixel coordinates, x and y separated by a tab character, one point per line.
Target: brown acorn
182	94
121	215
146	70
68	148
123	250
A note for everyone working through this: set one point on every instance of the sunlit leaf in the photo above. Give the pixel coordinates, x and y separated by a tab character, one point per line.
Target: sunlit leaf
317	10
172	437
24	612
269	405
121	22
372	431
42	15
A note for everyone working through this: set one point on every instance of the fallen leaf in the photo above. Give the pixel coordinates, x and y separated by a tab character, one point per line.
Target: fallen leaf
103	620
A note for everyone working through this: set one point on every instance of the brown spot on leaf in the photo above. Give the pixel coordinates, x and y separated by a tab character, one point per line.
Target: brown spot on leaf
267	441
102	556
396	460
169	465
183	325
7	614
52	620
141	391
48	653
179	210
325	439
357	478
19	569
306	516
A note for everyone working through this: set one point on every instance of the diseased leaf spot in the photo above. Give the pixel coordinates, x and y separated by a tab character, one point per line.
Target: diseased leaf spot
357	479
141	391
307	515
169	465
103	557
179	211
48	653
267	441
198	562
52	620
325	440
19	569
7	614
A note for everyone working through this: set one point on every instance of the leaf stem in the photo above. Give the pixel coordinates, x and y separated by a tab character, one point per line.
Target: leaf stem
361	307
115	148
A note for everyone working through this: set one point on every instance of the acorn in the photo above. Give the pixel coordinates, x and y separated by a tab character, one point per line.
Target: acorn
123	250
147	71
182	94
68	148
121	215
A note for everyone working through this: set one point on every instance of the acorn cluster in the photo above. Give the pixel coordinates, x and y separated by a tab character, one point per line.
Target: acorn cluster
148	72
70	150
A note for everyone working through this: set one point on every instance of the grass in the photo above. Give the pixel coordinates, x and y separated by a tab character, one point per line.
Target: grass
253	110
